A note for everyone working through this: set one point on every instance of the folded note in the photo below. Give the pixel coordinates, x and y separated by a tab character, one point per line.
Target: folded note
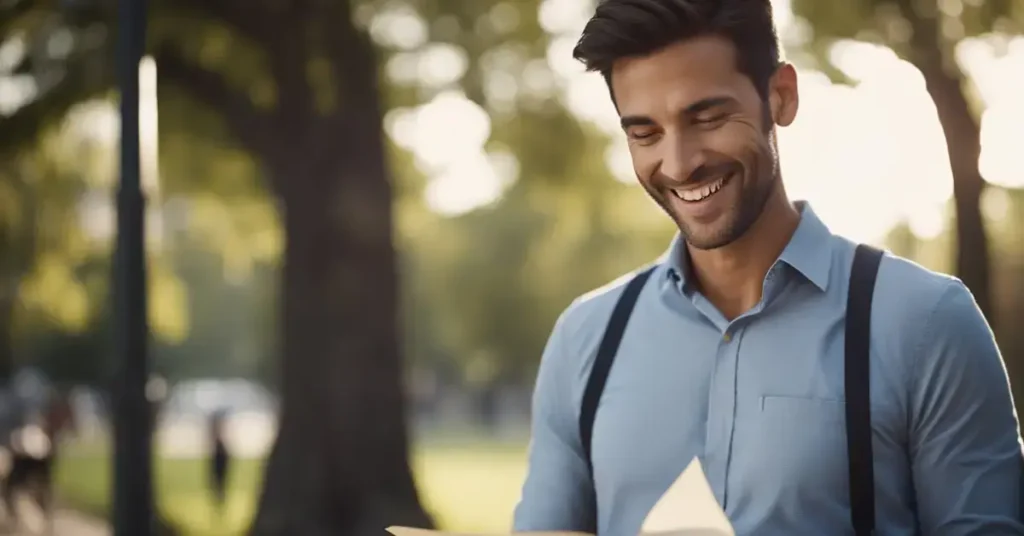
688	508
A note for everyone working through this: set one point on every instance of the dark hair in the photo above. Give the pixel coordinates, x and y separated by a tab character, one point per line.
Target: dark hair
627	28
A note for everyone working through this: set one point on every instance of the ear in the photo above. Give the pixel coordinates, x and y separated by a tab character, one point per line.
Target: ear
783	95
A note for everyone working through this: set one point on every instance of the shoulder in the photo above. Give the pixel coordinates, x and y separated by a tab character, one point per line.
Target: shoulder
572	347
588	315
909	299
581	325
905	292
925	325
916	309
911	291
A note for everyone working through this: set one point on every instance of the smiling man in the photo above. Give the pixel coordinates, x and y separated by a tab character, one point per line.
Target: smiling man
827	388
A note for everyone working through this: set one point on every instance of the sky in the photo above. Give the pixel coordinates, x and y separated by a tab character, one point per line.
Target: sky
866	157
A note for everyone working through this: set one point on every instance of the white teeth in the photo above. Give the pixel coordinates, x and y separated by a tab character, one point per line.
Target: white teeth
699	194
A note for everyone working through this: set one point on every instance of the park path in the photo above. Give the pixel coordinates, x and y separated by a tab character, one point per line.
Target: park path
65	523
71	523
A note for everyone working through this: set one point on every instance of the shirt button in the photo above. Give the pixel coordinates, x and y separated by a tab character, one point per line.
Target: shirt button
727	337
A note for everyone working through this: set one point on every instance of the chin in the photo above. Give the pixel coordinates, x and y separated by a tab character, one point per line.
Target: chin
709	243
708	236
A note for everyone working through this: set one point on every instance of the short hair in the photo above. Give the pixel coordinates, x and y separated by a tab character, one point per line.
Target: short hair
629	28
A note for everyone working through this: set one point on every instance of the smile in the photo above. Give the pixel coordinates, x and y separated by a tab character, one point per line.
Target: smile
700	193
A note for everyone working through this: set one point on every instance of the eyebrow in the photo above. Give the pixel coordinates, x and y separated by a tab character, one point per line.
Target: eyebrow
636	121
691	110
704	105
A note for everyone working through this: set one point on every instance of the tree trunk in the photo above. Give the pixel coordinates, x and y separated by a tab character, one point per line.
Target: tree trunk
339	464
944	82
7	299
963	138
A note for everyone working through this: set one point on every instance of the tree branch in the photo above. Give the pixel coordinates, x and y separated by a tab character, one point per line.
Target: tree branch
289	57
11	15
247	17
83	80
85	74
251	126
353	58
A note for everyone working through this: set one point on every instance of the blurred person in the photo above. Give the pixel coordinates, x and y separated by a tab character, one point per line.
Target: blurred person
813	409
220	460
157	392
34	446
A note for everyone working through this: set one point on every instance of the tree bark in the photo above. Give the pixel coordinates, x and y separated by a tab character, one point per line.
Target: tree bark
340	463
7	299
963	138
944	82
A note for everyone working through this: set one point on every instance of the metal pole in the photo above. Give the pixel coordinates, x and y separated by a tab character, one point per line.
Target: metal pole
133	498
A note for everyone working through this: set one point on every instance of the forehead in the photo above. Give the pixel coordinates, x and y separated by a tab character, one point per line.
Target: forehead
678	75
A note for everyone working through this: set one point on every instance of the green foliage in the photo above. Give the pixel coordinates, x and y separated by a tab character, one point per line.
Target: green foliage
64	56
228	333
888	22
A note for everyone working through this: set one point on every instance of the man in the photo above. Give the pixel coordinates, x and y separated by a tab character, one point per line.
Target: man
734	351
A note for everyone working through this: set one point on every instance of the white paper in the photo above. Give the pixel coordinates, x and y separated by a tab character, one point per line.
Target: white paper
406	531
688	508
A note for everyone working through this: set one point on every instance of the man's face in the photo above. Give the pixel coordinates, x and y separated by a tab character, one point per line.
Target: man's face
700	136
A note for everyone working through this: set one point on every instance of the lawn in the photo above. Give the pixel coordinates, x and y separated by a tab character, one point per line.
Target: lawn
468	486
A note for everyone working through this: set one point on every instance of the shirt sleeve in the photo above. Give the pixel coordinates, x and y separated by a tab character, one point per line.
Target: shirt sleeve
964	439
557	492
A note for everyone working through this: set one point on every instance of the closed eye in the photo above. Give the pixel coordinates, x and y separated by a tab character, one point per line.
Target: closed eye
643	137
710	120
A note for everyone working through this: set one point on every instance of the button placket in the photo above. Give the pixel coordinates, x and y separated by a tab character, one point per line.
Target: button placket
721	414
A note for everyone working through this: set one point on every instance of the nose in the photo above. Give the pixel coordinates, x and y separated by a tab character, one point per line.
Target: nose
682	155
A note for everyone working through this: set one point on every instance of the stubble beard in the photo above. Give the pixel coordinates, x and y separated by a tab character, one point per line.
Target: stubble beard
753	199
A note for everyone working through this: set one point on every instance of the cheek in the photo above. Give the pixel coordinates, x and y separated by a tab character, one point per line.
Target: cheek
644	164
761	155
740	141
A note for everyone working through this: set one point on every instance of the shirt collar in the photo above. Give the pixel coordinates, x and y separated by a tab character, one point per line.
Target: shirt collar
808	251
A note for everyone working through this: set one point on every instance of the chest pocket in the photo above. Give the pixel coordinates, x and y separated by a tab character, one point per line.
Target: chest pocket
803	445
803	411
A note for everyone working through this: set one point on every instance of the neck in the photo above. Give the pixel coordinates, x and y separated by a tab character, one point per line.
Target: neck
732	276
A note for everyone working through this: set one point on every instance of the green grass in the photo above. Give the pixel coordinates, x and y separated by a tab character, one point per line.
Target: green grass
469	486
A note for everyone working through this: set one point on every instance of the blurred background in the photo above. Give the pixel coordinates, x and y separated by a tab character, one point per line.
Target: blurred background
364	217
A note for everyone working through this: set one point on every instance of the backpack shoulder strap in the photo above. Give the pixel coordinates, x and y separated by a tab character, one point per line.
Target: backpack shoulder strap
606	356
863	274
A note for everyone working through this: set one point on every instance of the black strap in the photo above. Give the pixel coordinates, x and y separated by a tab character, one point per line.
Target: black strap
863	274
606	356
858	388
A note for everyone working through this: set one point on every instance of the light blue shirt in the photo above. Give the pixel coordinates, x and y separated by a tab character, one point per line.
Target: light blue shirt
760	401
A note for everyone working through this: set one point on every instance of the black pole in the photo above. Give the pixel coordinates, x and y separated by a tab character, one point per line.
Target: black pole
133	498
